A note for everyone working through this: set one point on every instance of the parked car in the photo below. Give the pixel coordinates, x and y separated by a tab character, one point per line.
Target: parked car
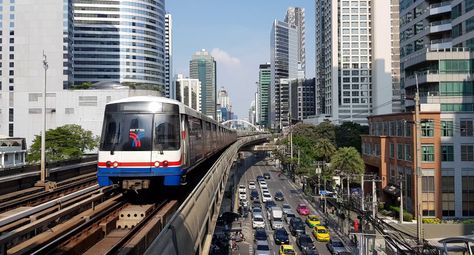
252	185
260	235
336	246
266	175
258	221
286	208
242	189
321	234
296	226
262	248
302	209
281	236
312	221
287	250
279	196
305	242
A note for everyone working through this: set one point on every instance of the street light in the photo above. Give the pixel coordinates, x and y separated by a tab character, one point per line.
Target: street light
44	173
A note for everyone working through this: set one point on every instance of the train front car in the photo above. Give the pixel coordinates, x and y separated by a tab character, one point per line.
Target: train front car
141	145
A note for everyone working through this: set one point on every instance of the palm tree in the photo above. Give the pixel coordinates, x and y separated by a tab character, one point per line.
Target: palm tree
324	149
348	160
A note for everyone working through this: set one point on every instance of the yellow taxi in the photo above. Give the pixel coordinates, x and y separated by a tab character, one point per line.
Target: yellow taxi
321	234
312	221
287	250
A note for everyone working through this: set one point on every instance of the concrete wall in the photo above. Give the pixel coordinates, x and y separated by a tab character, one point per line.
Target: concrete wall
447	230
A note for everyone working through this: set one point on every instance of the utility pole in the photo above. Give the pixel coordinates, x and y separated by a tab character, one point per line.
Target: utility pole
362	192
401	200
418	173
44	173
374	198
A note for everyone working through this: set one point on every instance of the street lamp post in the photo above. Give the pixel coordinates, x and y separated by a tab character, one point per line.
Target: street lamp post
44	173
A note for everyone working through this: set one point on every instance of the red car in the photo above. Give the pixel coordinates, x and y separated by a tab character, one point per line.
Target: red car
302	209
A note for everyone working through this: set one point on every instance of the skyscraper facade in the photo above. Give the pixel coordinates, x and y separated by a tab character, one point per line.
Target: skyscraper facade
120	41
264	82
169	92
203	67
188	91
356	75
284	65
295	18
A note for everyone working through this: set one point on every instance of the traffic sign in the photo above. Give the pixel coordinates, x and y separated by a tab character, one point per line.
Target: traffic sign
323	192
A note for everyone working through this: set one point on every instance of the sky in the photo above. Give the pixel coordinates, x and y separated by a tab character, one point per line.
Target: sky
237	33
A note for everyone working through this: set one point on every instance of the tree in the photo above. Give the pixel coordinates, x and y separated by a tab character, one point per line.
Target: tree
63	143
324	149
348	160
84	85
348	135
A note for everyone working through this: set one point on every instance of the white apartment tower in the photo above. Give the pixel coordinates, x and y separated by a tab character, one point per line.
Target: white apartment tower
356	73
295	18
188	91
169	92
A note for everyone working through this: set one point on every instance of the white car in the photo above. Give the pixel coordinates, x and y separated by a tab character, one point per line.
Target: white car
242	195
242	188
266	197
252	185
258	221
263	184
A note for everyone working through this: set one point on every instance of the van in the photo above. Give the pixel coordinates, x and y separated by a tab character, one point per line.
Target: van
276	217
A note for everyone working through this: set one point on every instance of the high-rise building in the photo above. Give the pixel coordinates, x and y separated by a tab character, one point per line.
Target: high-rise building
356	76
169	92
203	67
122	41
27	33
188	91
295	18
302	101
224	104
284	65
264	82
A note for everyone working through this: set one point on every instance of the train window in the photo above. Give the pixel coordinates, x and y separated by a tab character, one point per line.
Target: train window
196	129
126	132
166	135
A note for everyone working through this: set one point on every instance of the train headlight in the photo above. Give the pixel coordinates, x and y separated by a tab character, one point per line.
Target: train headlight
157	163
165	163
116	164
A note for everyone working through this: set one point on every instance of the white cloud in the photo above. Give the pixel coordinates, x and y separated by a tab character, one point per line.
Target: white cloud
224	58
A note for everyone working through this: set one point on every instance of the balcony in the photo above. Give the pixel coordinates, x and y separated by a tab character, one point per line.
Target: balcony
439	8
440	26
443	43
435	76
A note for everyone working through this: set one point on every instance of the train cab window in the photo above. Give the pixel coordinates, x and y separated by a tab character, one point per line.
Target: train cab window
166	135
126	132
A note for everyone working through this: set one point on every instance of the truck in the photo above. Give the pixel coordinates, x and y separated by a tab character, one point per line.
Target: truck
276	217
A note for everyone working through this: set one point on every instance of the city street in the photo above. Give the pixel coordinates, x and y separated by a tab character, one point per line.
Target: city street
292	196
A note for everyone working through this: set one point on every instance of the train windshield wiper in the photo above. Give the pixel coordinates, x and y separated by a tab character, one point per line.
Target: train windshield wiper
115	141
159	147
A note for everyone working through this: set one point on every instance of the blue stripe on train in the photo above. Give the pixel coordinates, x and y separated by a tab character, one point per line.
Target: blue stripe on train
172	174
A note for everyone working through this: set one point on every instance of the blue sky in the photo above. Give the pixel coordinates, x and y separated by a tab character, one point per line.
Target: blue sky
237	33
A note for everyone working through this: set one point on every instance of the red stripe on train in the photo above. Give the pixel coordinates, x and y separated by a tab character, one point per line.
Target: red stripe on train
138	164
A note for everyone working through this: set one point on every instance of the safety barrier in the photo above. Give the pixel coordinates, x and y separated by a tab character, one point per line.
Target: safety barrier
190	230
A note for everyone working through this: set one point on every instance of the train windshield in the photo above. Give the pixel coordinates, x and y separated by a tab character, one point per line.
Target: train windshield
166	135
127	132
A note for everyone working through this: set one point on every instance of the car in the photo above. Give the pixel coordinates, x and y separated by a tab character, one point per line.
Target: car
336	246
263	184
260	178
260	235
244	202
296	226
279	196
266	175
312	221
258	221
262	248
302	209
311	252
287	250
242	189
254	195
256	203
265	190
304	242
281	236
269	204
242	195
266	197
256	210
252	185
288	216
286	208
321	234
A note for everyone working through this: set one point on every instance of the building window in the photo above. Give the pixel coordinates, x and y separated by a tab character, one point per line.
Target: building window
10	129
400	151
467	196
447	128
392	150
408	152
427	153
466	127
10	114
447	153
467	152
408	127
427	128
428	188
447	196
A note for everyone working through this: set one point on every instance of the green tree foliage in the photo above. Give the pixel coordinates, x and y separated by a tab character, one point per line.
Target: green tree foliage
84	85
348	135
62	143
348	160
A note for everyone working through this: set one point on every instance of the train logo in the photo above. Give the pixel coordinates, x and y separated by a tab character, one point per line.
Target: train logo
136	135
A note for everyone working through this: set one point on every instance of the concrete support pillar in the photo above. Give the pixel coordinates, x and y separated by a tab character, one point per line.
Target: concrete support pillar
3	160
